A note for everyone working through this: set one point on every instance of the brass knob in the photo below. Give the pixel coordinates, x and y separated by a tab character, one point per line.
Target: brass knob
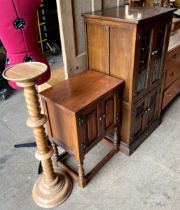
154	52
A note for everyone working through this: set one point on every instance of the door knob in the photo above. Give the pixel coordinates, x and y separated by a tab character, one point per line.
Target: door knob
154	52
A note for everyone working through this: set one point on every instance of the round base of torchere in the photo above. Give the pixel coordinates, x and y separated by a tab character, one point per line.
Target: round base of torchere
49	195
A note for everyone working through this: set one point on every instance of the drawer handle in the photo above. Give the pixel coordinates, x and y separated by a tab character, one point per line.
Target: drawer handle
174	56
170	95
172	73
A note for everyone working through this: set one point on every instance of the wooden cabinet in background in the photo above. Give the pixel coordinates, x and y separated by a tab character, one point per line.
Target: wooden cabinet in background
130	43
81	112
172	68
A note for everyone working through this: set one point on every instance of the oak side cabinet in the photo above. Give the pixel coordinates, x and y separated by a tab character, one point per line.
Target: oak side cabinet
130	43
81	112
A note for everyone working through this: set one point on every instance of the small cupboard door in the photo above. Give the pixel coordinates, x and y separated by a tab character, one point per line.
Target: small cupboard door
153	107
157	53
108	112
89	127
145	113
138	119
141	64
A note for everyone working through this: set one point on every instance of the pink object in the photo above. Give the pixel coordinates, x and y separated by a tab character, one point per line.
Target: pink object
19	34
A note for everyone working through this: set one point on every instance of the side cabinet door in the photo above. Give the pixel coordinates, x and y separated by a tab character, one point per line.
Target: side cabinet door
138	119
157	54
141	64
72	31
89	127
153	107
108	112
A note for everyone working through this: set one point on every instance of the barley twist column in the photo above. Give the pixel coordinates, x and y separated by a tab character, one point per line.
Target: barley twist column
51	188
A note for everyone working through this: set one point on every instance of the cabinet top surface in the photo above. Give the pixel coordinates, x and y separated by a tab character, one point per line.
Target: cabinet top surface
76	93
128	13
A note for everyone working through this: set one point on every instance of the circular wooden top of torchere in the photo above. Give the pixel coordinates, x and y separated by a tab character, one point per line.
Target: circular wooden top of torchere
25	71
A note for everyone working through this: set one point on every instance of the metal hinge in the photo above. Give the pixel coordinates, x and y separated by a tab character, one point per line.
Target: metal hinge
83	146
81	121
139	36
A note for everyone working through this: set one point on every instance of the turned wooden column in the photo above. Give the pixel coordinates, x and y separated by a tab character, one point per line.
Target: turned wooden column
51	188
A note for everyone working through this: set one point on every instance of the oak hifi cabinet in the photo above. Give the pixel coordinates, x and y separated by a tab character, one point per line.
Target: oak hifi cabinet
130	43
81	112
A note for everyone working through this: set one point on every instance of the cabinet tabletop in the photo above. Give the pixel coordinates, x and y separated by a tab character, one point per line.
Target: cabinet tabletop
76	93
129	14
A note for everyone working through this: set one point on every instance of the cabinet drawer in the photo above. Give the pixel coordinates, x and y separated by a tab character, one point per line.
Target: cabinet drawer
171	92
171	76
172	66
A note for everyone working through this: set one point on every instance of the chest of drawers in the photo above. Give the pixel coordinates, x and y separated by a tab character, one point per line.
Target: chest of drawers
172	69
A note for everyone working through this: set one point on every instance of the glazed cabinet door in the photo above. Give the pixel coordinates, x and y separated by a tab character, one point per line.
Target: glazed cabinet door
153	107
141	64
157	53
138	119
89	127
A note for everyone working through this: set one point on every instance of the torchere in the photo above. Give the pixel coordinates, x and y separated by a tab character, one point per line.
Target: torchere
51	188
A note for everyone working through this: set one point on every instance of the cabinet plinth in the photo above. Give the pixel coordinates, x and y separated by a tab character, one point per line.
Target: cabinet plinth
130	43
81	112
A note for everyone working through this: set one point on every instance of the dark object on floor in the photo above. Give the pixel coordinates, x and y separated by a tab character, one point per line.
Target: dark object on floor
32	144
3	94
3	83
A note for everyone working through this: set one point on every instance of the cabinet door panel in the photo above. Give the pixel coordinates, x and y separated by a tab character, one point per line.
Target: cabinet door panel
152	110
141	62
138	122
92	126
89	127
157	54
108	111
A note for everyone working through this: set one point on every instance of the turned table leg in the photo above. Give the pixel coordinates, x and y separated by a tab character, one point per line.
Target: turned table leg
51	188
115	138
81	174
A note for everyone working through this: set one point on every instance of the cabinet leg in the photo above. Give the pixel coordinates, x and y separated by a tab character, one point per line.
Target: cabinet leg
81	176
116	139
